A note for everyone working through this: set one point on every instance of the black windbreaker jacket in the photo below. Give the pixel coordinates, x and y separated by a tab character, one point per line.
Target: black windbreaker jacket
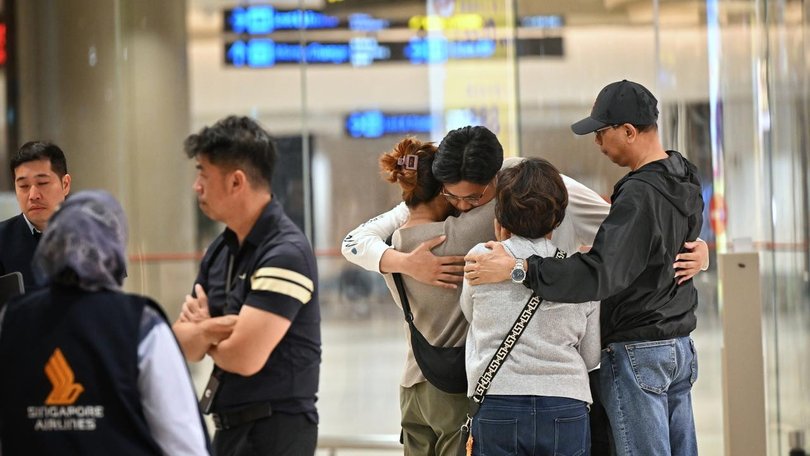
655	209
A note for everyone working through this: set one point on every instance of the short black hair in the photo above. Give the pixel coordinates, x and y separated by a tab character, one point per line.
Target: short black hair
236	143
40	150
530	198
471	154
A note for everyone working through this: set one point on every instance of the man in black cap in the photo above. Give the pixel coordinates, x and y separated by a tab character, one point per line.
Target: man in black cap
649	362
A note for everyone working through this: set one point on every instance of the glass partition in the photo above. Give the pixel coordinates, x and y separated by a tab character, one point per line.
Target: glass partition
338	82
341	81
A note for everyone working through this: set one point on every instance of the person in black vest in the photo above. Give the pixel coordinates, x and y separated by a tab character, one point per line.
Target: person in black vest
89	369
41	181
259	280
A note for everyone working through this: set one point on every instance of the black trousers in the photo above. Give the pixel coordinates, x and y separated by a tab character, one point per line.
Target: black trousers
601	435
277	435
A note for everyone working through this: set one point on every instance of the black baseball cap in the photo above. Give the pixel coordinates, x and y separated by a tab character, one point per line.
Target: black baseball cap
619	103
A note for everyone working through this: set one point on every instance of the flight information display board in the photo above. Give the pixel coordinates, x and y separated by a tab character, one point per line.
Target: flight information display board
364	51
253	45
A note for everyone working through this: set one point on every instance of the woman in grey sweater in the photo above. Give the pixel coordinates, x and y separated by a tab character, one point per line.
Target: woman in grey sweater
537	403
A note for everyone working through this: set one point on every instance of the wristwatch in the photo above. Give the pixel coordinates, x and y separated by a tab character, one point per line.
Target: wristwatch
519	271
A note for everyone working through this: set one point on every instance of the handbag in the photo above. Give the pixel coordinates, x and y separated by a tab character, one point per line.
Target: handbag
443	367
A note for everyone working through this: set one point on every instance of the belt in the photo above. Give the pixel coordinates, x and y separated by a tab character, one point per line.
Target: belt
238	417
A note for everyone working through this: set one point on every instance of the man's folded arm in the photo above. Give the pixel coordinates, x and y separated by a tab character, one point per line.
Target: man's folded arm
256	335
196	338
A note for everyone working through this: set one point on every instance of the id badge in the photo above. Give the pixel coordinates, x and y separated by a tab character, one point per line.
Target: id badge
210	393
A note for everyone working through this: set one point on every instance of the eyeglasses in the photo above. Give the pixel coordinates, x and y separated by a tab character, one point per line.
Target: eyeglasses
474	200
602	130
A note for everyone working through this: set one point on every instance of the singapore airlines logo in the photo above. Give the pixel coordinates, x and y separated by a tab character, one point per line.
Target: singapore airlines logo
65	390
60	411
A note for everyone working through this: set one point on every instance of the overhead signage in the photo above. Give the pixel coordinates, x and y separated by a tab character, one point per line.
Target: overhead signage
361	22
374	124
361	51
542	22
265	53
439	50
365	51
462	22
264	19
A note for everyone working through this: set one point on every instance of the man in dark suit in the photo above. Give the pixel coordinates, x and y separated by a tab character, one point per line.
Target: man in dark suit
41	181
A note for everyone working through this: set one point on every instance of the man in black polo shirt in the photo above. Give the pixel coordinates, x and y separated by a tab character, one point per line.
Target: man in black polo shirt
41	182
254	308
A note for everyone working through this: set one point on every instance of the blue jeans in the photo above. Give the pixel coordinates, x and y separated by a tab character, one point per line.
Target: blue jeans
531	425
646	388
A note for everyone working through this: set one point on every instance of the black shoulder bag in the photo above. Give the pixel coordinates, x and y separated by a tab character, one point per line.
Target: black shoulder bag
443	367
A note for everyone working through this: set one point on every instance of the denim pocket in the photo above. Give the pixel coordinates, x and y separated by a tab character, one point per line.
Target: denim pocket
694	364
497	437
571	435
654	364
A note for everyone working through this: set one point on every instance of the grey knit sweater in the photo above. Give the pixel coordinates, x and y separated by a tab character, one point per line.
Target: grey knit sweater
557	349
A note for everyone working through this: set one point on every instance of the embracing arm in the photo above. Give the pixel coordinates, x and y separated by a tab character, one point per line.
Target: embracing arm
365	245
587	210
619	255
609	267
694	260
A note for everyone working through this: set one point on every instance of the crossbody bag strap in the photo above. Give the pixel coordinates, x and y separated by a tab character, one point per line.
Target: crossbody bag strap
508	343
403	298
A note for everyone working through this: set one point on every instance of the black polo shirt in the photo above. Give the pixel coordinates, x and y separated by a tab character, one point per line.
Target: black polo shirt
273	270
